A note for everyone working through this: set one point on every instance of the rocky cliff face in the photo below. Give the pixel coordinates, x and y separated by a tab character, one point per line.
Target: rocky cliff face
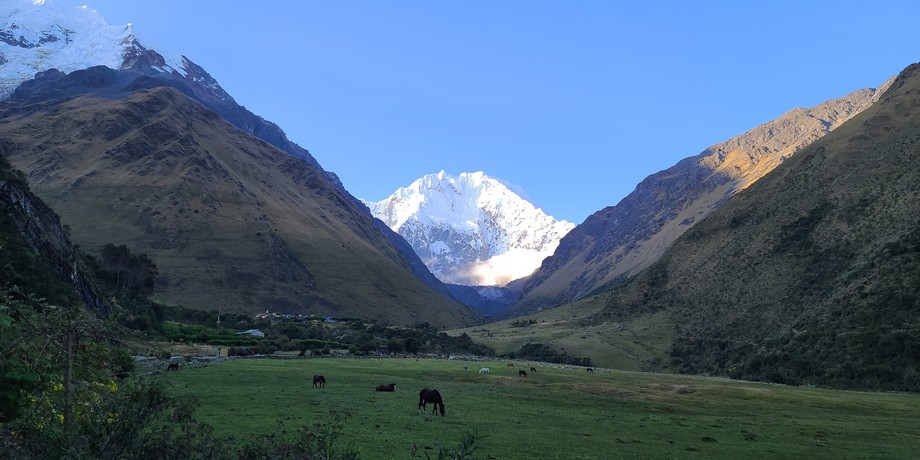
40	229
621	240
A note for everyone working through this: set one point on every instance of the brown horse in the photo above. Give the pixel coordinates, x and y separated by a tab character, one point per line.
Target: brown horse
522	373
319	379
430	396
387	387
590	369
533	370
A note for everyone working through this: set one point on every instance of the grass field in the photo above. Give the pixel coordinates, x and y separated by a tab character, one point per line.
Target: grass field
553	413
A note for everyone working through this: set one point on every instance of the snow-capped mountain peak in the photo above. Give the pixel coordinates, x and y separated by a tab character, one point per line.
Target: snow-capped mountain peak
471	229
37	35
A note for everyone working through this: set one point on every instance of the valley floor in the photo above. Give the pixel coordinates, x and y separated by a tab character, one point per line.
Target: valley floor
551	413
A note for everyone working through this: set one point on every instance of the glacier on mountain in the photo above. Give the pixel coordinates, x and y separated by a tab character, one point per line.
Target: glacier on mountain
471	229
36	35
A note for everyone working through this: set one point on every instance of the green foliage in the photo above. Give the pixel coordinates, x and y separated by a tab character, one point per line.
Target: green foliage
193	333
320	441
544	353
66	391
140	420
181	314
882	352
523	323
358	336
130	279
463	451
38	340
134	274
21	266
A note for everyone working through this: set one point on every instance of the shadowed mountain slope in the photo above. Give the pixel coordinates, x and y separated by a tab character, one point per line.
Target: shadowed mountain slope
232	222
810	275
35	253
619	241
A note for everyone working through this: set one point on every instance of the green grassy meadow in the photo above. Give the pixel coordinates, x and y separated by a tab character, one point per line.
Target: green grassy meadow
553	413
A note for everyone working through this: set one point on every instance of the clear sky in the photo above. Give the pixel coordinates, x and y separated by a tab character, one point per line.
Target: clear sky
575	101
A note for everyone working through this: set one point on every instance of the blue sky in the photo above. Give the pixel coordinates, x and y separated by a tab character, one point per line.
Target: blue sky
576	102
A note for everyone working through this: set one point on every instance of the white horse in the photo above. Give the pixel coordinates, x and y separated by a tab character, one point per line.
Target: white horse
484	370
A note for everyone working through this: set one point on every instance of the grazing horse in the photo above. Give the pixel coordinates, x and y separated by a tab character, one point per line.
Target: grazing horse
430	396
522	373
510	364
533	370
173	367
484	370
319	379
387	387
590	369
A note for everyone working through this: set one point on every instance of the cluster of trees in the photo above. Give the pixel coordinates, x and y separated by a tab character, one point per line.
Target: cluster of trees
548	354
317	336
523	323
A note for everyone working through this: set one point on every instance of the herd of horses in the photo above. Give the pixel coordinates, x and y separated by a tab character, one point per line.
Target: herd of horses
425	396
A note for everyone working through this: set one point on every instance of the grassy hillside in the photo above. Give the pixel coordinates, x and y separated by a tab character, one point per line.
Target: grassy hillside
231	222
811	275
636	344
619	241
550	414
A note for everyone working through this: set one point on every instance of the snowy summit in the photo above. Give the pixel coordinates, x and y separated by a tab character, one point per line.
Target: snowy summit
471	229
37	35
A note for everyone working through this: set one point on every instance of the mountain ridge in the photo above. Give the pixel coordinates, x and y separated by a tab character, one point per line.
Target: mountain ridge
816	263
172	178
619	241
810	276
79	38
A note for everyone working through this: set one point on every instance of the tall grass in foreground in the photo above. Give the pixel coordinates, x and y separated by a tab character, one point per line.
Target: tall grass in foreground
552	413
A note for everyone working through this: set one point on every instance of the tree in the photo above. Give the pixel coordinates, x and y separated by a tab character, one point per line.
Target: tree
135	274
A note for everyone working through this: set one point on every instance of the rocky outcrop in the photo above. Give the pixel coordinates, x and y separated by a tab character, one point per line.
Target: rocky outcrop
41	230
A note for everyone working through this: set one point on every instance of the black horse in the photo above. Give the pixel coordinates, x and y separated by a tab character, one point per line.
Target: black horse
387	387
319	379
173	367
590	369
430	396
522	373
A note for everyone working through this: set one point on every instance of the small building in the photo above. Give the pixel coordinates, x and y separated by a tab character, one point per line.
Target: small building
252	332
